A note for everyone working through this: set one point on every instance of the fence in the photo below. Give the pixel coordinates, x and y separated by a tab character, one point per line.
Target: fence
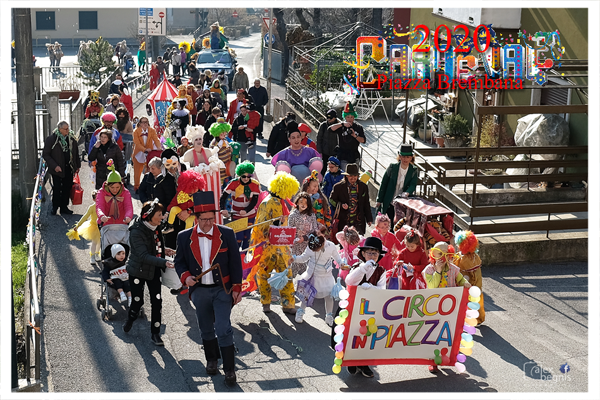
41	124
31	316
66	78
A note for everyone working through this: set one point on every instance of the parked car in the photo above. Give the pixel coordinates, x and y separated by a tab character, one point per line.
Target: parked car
216	60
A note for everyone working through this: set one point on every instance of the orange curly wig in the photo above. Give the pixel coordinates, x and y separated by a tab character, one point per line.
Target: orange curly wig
190	181
466	241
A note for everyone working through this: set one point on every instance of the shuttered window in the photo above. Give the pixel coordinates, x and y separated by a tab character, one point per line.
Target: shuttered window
554	97
45	21
88	19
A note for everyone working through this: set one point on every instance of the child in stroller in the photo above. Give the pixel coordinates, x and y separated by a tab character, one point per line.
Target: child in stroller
114	272
129	64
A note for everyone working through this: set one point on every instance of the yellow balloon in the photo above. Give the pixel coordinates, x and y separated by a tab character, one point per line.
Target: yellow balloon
371	321
466	345
339	354
474	299
339	320
336	369
471	321
372	328
465	351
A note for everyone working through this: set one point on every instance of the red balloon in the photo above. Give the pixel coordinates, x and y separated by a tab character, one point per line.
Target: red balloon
445	360
444	351
363	322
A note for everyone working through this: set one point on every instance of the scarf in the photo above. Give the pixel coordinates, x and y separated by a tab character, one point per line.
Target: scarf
113	201
156	238
353	191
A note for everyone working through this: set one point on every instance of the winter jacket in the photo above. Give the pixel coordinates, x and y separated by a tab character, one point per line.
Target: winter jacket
54	156
113	152
329	181
109	265
341	194
142	260
176	59
165	188
103	206
278	139
260	95
327	140
240	81
387	190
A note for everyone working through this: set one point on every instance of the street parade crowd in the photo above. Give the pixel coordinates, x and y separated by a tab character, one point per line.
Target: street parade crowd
198	171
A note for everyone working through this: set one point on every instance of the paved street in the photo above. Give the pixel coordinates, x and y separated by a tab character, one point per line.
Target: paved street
537	320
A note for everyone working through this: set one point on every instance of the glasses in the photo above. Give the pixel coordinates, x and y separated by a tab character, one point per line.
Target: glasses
206	219
444	254
143	122
371	252
246	176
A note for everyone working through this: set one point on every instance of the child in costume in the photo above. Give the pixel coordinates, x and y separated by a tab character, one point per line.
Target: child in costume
367	274
180	118
88	228
273	258
320	203
94	107
113	274
394	246
185	146
441	272
304	220
244	192
319	255
470	264
189	182
113	201
219	130
333	175
252	119
349	238
413	260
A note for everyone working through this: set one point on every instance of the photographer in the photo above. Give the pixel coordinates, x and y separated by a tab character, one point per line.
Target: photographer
350	135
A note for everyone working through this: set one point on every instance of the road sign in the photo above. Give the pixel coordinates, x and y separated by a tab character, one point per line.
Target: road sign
235	14
266	21
266	39
157	23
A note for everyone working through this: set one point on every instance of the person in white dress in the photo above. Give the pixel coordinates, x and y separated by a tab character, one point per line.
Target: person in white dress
319	254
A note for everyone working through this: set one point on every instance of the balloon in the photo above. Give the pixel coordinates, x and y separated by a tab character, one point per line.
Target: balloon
339	347
467	337
471	321
339	320
344	294
344	313
337	361
373	328
473	306
465	351
363	323
368	333
363	330
466	345
444	351
474	299
371	321
460	367
339	329
336	369
445	360
343	303
469	329
338	338
472	313
474	291
436	352
339	354
461	357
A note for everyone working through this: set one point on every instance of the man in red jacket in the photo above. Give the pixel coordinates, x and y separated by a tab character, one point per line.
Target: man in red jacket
234	107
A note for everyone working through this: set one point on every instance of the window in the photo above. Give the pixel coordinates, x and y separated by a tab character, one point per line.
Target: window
556	97
88	19
44	21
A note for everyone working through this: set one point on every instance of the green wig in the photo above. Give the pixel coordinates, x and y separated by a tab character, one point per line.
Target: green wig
217	128
244	168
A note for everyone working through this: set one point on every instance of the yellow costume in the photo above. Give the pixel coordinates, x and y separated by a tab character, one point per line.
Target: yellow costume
470	266
88	228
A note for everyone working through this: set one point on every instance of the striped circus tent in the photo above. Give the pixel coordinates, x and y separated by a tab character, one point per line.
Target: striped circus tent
160	100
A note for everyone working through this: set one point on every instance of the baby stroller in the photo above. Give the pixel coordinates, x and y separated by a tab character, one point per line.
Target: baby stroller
88	127
109	235
129	64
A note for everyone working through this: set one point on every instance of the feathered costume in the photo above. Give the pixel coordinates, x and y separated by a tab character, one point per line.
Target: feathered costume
470	264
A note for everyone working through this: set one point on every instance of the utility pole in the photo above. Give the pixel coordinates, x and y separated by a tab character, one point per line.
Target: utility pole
28	146
269	60
197	16
146	41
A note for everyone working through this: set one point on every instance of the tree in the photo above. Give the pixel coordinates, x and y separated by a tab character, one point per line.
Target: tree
376	22
281	31
97	63
303	22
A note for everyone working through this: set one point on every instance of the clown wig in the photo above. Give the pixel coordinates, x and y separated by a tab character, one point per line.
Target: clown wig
283	185
244	168
466	241
189	181
217	128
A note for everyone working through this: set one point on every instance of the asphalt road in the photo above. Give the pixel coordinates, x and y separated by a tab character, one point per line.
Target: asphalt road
536	317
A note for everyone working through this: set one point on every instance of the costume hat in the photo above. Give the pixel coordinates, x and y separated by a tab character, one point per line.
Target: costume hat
331	113
334	161
204	202
406	150
349	110
374	244
113	176
351	169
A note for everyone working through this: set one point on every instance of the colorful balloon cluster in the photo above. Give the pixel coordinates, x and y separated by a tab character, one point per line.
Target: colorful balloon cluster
368	328
466	342
339	332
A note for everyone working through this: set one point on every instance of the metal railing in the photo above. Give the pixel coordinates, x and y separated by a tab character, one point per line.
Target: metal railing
41	116
66	78
368	162
32	318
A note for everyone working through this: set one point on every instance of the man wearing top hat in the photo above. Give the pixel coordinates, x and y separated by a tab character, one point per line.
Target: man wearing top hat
352	197
208	262
400	179
350	136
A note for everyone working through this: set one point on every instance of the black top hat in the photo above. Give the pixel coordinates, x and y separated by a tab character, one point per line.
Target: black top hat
406	150
351	169
372	243
204	202
331	113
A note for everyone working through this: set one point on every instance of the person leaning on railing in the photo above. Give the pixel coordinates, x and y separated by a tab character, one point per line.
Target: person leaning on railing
399	179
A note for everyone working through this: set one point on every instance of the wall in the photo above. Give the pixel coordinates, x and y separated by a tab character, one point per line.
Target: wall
112	23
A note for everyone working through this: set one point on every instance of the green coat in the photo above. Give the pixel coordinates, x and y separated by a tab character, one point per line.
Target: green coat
387	190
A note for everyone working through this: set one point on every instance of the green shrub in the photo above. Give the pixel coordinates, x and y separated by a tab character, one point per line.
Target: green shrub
456	126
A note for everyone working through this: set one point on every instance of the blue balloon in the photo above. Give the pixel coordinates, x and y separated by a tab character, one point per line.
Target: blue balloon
473	306
467	337
338	338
